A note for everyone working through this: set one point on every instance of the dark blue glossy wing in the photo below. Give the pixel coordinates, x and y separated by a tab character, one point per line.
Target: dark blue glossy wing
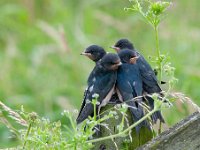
129	84
86	108
150	85
90	82
157	115
148	76
102	85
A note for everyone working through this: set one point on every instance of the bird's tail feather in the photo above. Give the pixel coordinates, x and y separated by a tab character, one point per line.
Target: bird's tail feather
157	115
137	114
88	110
144	123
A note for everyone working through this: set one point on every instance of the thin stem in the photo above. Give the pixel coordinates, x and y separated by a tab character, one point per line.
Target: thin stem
125	131
160	127
157	41
27	133
123	117
160	66
95	115
158	53
72	122
133	99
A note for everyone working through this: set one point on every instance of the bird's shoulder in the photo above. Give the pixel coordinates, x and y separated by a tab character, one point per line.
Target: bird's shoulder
145	68
97	71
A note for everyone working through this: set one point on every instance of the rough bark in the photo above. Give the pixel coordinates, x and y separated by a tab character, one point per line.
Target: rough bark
185	135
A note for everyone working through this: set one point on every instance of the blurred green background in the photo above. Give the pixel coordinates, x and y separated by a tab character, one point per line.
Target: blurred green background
40	43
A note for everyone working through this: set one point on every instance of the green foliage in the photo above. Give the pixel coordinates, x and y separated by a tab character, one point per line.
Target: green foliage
153	15
41	133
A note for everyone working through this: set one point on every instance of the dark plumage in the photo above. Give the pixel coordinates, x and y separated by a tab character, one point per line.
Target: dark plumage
94	52
129	85
101	83
123	44
149	80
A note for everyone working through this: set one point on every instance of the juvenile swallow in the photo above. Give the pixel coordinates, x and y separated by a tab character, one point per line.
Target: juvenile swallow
149	80
94	52
129	86
102	84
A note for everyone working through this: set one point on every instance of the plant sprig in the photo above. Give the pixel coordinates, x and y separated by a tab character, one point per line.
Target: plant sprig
153	16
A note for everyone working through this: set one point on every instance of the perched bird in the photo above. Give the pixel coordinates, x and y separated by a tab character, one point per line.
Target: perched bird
102	83
129	86
149	80
94	52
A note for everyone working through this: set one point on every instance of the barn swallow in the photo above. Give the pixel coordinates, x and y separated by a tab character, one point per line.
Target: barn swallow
129	86
123	44
149	80
102	84
94	52
126	44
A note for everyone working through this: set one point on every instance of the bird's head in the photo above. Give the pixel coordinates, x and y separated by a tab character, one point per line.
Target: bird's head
94	52
128	56
111	61
123	44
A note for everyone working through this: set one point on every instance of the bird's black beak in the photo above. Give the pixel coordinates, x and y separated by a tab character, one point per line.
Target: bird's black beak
117	49
119	64
116	65
133	60
85	54
113	47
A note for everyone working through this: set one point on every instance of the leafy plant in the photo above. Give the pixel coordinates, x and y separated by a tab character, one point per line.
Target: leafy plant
153	15
41	133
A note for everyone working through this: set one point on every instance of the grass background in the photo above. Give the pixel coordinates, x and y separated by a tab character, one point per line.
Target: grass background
40	43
